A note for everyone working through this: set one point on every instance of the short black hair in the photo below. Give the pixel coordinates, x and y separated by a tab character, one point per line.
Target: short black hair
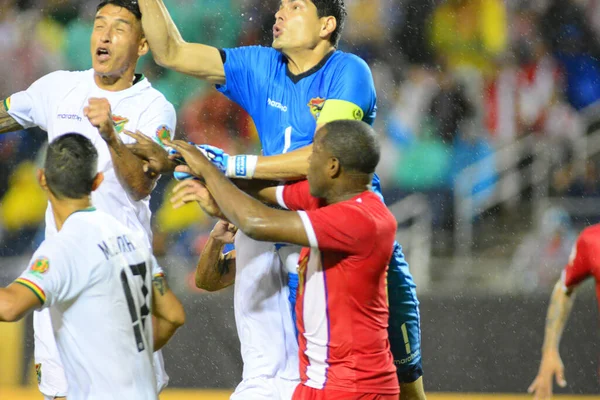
131	5
332	8
353	143
71	166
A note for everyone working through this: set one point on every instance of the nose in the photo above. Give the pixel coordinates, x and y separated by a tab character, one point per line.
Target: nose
279	15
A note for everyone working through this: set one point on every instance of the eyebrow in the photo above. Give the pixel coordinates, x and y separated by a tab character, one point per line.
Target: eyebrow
291	1
124	21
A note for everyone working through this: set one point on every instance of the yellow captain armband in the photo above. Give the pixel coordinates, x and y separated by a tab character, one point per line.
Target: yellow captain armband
334	110
6	103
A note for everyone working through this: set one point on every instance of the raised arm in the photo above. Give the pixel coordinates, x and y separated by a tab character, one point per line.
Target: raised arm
167	311
129	168
7	123
215	270
171	51
551	365
255	219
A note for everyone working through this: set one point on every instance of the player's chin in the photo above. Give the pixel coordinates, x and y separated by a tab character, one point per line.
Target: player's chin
277	45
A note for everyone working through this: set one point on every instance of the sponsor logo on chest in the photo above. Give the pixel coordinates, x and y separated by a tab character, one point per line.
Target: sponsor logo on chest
277	104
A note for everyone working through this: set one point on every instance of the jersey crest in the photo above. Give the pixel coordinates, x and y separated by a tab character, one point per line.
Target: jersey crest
163	132
40	266
316	106
119	123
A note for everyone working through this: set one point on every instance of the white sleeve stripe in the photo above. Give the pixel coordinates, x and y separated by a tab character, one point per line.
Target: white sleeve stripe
279	194
310	232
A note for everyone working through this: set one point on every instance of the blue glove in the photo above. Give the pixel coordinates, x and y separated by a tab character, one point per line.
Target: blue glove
180	176
217	157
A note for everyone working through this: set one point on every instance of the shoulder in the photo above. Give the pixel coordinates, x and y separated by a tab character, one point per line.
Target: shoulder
349	62
61	79
590	236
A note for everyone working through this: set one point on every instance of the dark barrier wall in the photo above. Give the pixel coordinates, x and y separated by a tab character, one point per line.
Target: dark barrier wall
470	343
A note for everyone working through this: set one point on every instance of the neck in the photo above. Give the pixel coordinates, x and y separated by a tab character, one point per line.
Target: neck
301	60
347	190
63	208
114	83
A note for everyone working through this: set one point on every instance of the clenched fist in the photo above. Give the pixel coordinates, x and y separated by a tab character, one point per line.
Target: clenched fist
99	114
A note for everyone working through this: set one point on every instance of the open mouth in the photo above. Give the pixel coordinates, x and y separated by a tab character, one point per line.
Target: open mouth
277	31
102	53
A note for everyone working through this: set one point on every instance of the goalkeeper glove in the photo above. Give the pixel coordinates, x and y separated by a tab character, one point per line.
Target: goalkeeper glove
242	166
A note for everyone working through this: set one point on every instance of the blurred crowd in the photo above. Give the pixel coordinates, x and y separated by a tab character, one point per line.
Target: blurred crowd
456	80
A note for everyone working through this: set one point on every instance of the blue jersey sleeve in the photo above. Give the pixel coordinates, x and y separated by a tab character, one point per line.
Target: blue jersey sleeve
247	72
352	93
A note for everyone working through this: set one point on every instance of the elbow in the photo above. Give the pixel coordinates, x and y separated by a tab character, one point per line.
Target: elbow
167	58
255	227
178	318
205	285
9	314
140	193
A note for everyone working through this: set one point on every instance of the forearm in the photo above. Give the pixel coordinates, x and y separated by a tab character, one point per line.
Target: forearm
7	123
163	331
210	265
559	310
160	30
130	171
171	51
288	166
243	211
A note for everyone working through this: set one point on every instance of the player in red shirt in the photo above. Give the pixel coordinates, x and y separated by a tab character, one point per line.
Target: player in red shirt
584	263
342	312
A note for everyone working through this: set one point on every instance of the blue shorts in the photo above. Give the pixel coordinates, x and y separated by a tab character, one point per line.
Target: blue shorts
405	325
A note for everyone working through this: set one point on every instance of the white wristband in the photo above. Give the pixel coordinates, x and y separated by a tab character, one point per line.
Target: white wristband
241	166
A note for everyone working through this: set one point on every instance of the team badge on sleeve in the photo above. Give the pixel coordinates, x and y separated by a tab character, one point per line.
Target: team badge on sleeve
119	123
39	266
163	132
316	105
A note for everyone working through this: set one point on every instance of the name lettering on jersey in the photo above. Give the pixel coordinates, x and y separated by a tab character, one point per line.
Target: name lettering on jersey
277	104
316	106
116	245
70	117
119	123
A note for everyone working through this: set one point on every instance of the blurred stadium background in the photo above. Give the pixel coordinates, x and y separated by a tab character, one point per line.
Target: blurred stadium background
489	116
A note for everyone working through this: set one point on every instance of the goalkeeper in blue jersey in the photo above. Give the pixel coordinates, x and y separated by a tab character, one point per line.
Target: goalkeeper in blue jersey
290	89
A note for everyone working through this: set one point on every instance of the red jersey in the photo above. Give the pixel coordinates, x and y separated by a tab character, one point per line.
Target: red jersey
341	309
584	261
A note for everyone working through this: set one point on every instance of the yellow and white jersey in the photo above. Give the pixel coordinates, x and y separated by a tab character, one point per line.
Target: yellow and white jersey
55	103
95	276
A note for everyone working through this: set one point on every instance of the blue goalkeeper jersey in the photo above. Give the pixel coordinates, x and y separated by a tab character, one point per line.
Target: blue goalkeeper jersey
286	108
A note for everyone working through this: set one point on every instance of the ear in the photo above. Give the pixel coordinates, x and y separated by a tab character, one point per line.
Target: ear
143	47
98	179
333	167
328	26
41	177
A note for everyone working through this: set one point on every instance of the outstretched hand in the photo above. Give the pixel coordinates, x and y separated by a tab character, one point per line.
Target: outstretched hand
195	160
157	158
192	190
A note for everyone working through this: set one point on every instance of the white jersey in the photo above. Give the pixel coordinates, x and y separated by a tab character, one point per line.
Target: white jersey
95	275
263	313
55	103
